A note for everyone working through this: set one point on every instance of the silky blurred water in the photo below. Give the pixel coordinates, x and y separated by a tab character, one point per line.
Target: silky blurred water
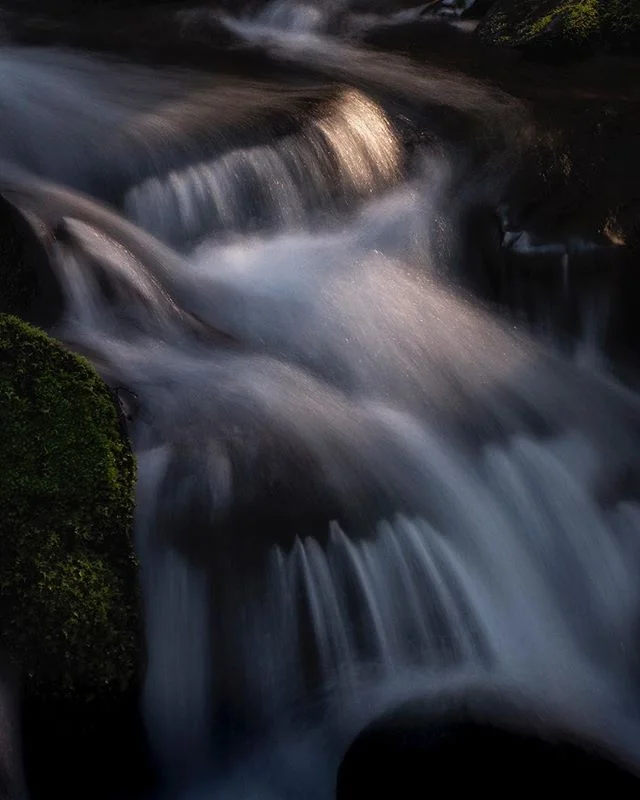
355	482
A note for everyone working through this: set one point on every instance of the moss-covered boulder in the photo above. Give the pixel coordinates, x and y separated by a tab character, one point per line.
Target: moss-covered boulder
68	596
564	27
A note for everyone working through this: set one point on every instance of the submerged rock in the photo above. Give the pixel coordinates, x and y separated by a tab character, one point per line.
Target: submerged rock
563	27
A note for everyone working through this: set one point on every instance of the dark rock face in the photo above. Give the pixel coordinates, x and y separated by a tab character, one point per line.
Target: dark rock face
563	27
28	287
478	745
80	749
12	784
478	9
187	34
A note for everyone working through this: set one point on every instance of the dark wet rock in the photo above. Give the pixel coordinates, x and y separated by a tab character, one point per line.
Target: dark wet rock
28	287
454	8
387	6
478	9
76	750
578	180
173	33
563	27
478	744
128	402
12	783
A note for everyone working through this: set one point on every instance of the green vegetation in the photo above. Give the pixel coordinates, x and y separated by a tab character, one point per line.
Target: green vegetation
68	587
564	25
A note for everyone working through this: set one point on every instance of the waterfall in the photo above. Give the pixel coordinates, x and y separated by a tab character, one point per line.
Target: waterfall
356	481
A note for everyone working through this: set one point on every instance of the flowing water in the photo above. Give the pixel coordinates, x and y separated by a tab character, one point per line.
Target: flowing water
356	482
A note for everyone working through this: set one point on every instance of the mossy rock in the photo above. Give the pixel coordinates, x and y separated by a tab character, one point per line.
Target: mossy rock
564	27
68	575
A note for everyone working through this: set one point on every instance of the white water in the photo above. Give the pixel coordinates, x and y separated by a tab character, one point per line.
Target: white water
348	148
296	18
502	549
475	526
317	16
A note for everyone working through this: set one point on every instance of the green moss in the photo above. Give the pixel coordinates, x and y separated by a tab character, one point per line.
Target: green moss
621	24
68	598
575	25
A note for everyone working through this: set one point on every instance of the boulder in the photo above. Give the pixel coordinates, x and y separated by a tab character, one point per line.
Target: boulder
68	612
28	287
69	617
563	28
483	744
